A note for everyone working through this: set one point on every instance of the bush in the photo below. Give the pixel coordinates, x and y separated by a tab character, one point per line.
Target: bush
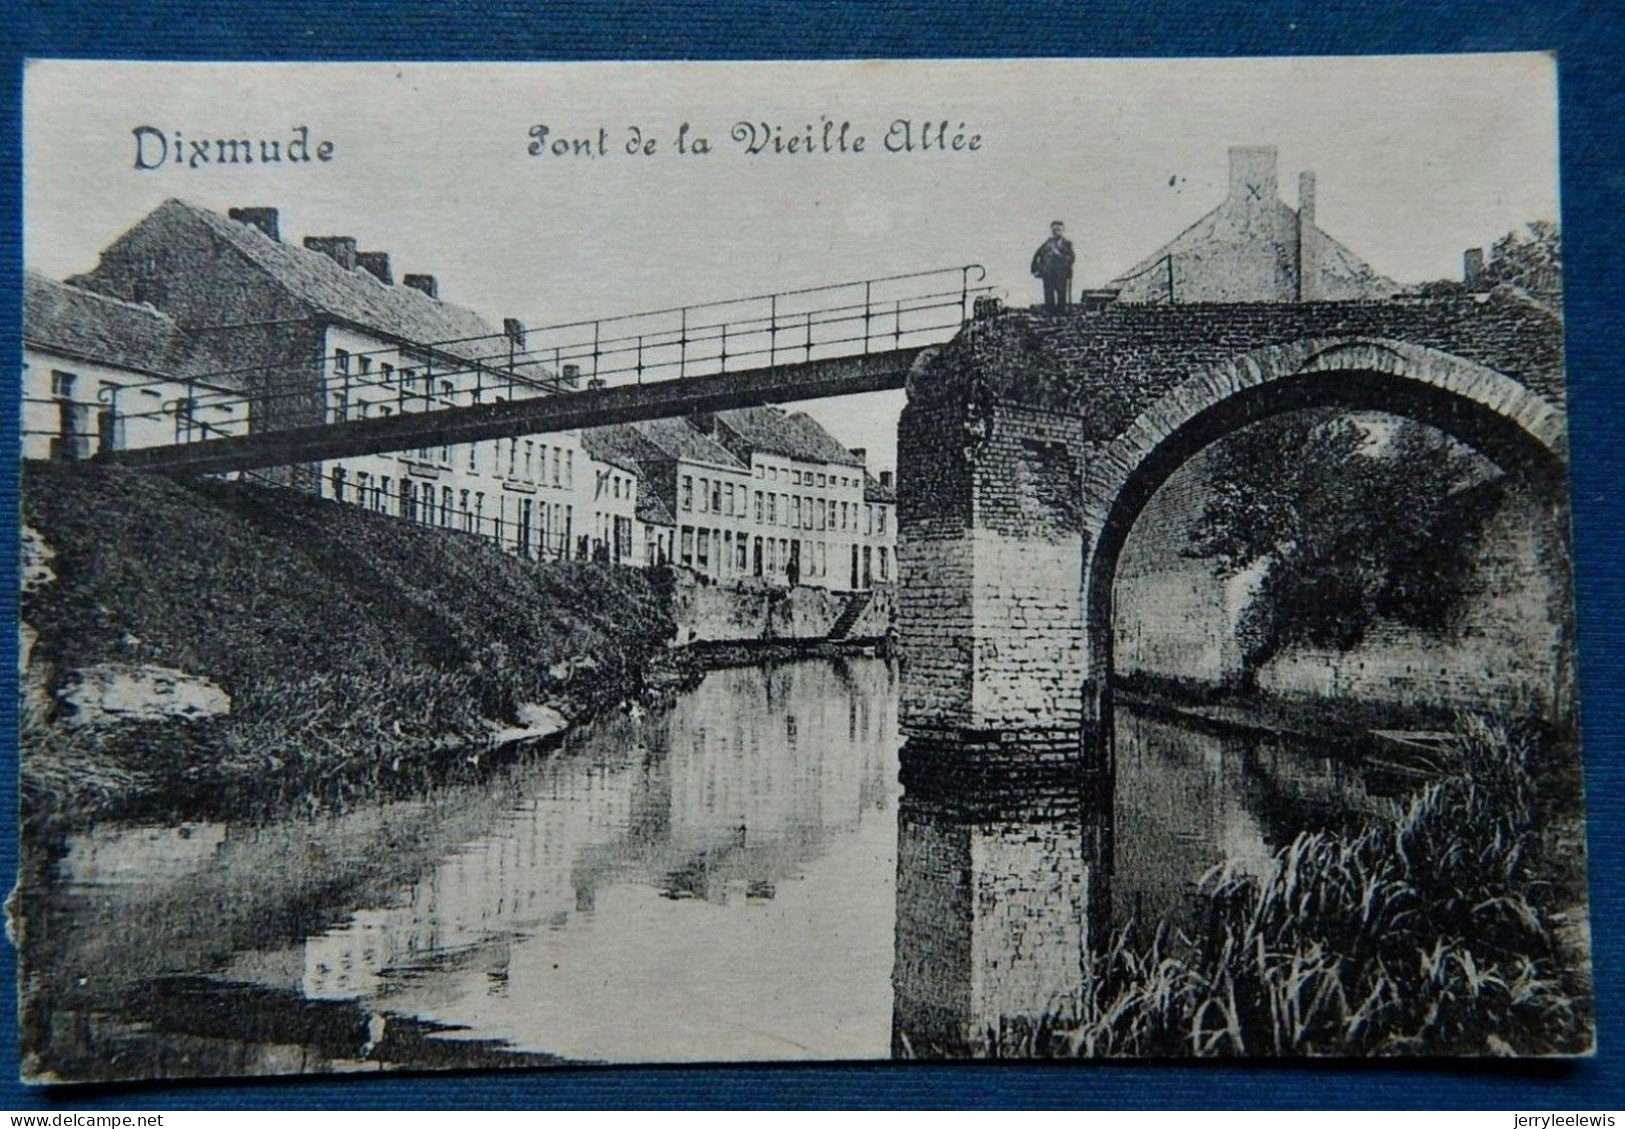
1426	932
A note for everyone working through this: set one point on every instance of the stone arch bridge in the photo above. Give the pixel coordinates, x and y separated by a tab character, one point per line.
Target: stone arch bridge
1031	443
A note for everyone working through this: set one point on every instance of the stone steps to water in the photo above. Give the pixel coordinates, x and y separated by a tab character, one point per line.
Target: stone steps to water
855	608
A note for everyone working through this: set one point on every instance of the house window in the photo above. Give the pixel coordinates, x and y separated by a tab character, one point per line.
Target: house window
884	567
795	510
807	513
880	521
739	554
386	373
703	557
513	454
341	407
555	466
363	364
772	509
821	480
446	390
759	470
868	521
823	515
569	468
530	452
338	483
688	494
62	384
758	507
341	360
716	496
705	494
688	546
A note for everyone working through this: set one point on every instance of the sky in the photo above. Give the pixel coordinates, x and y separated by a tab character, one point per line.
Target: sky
1416	158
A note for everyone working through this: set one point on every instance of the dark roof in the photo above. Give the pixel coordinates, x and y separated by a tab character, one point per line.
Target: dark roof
876	491
792	435
355	296
603	444
680	439
92	327
621	443
652	511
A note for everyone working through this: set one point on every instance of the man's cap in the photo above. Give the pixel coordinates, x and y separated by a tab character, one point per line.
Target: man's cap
1056	223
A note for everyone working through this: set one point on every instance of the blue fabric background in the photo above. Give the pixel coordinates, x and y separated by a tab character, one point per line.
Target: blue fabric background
1586	37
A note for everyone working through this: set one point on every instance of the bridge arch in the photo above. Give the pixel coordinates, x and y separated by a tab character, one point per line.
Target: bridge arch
1522	431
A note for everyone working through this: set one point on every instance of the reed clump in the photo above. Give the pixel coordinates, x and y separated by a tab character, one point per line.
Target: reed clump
1429	931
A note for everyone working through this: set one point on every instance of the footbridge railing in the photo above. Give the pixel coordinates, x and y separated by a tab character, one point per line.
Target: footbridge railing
887	314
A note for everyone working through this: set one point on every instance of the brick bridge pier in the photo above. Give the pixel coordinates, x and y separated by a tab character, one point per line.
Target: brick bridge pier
1032	441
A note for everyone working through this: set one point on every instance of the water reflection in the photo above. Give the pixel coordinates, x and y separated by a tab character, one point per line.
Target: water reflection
995	904
1000	894
637	895
724	880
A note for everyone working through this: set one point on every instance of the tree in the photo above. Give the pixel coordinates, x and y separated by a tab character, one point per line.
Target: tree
1529	260
1345	519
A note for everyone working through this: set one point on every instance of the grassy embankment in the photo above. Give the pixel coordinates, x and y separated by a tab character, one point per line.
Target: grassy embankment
359	651
1454	926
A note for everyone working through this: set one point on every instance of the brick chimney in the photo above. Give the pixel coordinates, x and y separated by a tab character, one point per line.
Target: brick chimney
861	454
1472	266
339	248
375	263
571	377
886	479
263	218
1252	175
423	282
1308	282
704	422
514	330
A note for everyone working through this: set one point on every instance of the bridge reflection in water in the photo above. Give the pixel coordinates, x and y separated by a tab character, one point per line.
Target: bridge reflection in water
1002	888
736	878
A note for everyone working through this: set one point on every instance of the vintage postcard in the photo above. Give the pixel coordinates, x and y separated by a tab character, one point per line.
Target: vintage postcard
620	563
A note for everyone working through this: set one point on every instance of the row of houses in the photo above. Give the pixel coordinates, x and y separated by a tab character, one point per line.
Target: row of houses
195	325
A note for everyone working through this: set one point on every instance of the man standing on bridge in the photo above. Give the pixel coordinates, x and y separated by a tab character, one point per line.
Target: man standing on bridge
1052	262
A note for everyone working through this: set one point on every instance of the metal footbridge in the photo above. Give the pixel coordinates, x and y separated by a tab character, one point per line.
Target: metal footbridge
834	340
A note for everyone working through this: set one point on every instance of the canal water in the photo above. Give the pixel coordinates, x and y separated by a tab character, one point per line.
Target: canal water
736	878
